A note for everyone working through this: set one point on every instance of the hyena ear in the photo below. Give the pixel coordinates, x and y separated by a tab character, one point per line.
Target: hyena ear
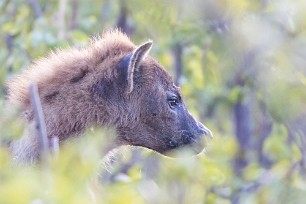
131	62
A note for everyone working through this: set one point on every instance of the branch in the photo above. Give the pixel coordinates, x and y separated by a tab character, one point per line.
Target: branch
178	62
40	126
75	10
61	19
36	8
265	178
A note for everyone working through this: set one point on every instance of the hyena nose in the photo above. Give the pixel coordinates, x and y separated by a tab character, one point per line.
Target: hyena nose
202	130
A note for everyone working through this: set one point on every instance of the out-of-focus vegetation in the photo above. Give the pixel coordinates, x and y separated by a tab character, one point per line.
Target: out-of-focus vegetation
242	68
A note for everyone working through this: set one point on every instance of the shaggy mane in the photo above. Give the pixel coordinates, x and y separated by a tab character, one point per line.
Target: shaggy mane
60	64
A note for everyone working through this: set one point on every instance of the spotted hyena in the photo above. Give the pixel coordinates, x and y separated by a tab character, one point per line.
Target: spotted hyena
110	83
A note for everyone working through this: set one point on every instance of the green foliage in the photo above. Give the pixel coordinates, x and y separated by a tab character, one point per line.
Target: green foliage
234	52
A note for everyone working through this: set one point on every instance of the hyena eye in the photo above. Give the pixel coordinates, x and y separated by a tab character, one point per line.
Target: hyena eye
173	102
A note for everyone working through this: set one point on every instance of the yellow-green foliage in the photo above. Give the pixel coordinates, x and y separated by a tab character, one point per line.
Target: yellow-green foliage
248	53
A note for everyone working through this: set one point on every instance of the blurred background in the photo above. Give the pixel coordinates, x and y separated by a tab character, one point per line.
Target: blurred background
242	69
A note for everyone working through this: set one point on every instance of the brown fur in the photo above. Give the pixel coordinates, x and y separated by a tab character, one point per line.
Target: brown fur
81	87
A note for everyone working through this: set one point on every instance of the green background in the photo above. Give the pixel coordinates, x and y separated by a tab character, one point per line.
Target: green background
242	69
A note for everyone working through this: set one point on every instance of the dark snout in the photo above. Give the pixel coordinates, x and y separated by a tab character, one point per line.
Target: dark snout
193	139
195	135
196	128
192	136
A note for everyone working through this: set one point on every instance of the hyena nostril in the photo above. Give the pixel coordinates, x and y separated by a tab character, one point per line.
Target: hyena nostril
207	132
202	130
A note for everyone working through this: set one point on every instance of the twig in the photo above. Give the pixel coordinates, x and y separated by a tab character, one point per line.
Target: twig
36	8
265	178
178	62
40	125
74	15
61	19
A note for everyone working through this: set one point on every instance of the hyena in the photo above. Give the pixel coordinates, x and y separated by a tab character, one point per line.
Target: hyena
110	83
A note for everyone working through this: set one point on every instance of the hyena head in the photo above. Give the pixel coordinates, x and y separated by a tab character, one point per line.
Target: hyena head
153	109
112	83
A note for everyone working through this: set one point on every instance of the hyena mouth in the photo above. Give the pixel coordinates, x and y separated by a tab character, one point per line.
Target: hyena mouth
188	138
194	141
197	142
185	140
